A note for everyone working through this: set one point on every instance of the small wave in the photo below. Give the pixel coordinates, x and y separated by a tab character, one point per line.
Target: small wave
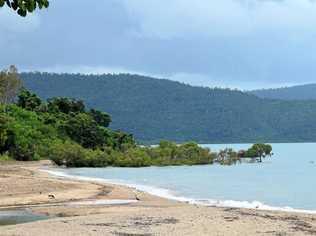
165	193
249	205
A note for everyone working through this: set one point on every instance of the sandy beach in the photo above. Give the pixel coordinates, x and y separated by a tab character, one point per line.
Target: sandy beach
84	208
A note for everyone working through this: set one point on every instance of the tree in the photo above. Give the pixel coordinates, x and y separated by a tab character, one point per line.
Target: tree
122	140
10	84
22	7
167	144
268	150
84	130
28	100
65	105
101	118
259	150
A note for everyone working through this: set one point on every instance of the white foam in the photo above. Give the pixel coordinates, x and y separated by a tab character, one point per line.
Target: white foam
165	193
249	205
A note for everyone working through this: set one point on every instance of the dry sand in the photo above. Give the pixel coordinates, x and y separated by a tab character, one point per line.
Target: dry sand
22	185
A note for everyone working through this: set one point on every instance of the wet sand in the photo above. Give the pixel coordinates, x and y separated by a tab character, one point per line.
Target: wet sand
73	206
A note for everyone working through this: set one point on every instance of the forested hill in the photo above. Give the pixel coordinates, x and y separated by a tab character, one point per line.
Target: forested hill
301	92
154	109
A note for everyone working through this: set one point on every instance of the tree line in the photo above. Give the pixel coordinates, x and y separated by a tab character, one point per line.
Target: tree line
67	132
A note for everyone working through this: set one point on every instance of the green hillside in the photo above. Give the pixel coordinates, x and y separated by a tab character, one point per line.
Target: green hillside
301	92
155	109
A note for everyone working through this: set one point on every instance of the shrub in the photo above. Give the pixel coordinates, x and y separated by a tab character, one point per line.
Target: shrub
5	157
4	121
68	153
133	157
98	158
27	134
227	157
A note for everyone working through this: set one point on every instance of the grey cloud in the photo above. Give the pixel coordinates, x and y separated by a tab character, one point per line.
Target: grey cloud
186	18
237	43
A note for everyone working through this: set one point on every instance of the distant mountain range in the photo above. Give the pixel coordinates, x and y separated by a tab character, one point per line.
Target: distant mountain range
301	92
154	109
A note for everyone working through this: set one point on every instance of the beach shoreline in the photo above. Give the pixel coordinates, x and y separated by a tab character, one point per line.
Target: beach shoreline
170	194
93	208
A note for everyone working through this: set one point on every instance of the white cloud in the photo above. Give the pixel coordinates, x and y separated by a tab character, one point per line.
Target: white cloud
201	18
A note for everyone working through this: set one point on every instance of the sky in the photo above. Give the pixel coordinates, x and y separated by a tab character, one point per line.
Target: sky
245	44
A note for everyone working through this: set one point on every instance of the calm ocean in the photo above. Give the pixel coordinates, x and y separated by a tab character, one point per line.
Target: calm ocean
285	181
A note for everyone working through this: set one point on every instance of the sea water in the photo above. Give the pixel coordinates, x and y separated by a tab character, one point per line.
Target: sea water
13	217
286	181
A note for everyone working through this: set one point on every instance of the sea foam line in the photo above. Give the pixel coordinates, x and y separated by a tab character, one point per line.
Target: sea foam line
165	193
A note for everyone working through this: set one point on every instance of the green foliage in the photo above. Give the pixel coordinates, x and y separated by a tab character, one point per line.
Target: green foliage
98	158
5	157
68	153
164	144
227	157
85	131
100	117
28	100
27	134
259	150
300	92
63	131
65	105
134	157
4	121
72	155
76	140
153	109
33	129
169	153
122	140
22	7
251	153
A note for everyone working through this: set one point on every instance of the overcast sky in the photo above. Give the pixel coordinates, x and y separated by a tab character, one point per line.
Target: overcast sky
229	43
